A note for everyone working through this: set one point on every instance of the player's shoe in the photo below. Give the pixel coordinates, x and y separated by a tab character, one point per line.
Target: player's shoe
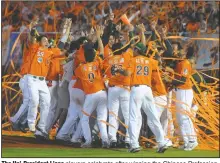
15	126
62	141
105	144
191	146
113	144
41	134
184	146
162	149
127	145
169	144
134	150
32	128
86	145
23	128
75	141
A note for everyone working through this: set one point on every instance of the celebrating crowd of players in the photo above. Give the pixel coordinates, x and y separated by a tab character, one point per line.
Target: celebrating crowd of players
110	68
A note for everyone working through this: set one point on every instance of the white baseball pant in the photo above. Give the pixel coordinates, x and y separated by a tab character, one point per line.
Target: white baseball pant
161	104
118	98
169	129
185	123
77	98
53	105
63	95
21	115
39	94
142	97
96	101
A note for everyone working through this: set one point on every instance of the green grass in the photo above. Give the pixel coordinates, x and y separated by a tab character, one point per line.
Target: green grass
95	152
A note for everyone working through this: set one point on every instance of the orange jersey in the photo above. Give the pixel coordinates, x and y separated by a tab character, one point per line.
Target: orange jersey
79	58
90	76
39	60
78	84
26	62
141	69
120	61
107	51
158	87
54	69
184	68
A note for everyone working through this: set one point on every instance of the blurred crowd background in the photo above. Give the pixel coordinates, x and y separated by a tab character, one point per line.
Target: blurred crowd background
179	17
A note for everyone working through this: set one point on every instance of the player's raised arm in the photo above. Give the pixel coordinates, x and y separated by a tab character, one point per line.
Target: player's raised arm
65	40
99	32
65	33
142	30
33	34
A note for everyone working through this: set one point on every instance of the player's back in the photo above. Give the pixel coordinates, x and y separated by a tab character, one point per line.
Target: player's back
90	76
184	69
141	68
121	61
55	68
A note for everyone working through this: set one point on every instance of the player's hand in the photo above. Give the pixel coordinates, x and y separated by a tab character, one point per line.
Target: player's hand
164	31
153	25
141	27
33	23
71	37
111	16
130	27
98	30
66	25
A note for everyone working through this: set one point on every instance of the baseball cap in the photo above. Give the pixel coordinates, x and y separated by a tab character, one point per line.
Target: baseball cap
141	48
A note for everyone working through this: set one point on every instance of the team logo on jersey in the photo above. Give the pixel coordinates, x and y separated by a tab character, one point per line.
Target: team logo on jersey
94	68
40	54
185	72
39	59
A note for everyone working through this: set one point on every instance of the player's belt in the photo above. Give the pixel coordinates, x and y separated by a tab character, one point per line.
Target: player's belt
40	78
137	85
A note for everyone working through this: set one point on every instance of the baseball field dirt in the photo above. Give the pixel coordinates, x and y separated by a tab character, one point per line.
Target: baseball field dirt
19	146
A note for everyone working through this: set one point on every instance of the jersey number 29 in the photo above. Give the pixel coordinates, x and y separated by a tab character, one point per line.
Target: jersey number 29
142	71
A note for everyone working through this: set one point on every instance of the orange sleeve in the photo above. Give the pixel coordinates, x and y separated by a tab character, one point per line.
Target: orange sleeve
100	62
154	64
78	72
56	52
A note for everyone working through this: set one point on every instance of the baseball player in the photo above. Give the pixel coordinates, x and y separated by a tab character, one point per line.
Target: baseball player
96	97
40	57
20	118
118	92
77	97
161	100
142	97
53	83
108	47
184	94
